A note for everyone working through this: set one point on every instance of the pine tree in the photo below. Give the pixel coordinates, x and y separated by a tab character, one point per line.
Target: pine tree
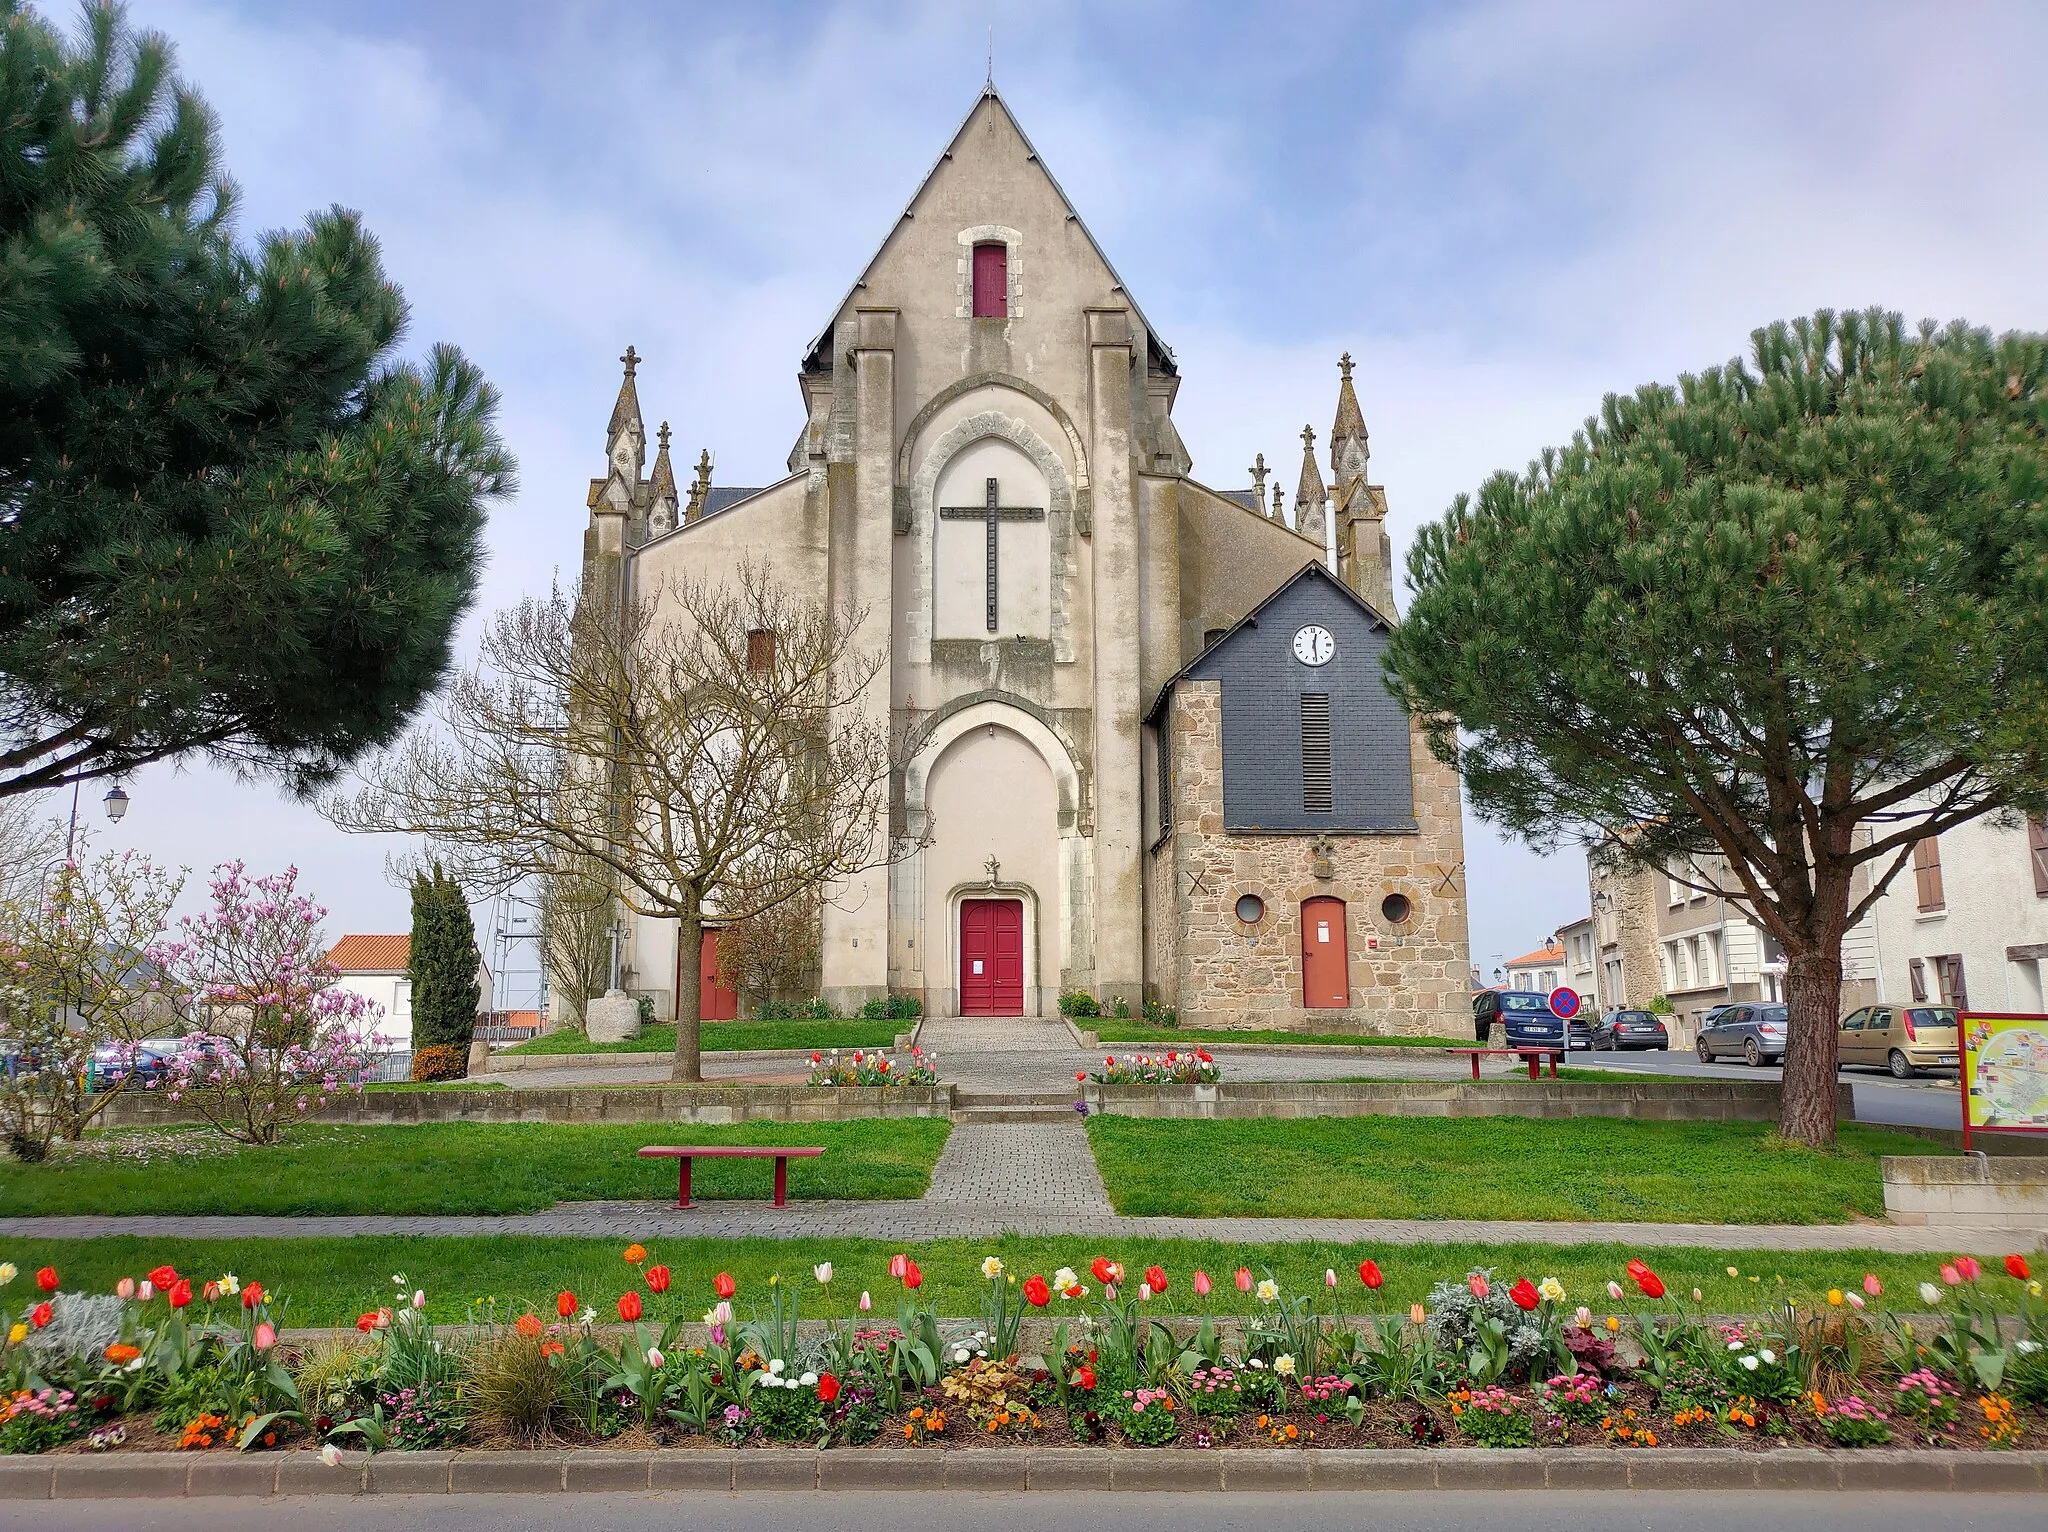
231	521
443	971
1765	631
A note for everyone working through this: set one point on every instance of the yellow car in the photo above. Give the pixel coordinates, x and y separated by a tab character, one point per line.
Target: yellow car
1902	1038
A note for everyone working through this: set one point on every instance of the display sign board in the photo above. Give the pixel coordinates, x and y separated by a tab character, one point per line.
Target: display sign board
2004	1072
1565	1002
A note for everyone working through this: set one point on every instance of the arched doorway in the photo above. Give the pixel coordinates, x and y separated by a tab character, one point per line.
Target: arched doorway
1325	956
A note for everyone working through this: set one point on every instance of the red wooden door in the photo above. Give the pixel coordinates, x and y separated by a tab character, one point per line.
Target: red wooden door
991	957
1325	964
717	1000
991	281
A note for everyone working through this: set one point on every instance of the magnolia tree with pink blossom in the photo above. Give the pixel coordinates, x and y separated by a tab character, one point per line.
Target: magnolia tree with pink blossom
271	1037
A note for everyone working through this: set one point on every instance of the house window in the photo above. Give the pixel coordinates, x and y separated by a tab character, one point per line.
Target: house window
1927	873
1916	978
401	998
2037	852
992	281
1164	735
1316	790
760	649
1949	971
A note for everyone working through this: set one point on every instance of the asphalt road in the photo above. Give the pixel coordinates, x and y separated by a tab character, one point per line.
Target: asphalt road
1930	1101
926	1511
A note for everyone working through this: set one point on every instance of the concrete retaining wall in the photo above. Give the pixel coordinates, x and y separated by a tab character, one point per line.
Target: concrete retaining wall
670	1103
1655	1101
1968	1192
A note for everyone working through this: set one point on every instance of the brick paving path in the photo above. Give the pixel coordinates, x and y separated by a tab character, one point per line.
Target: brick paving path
1041	1170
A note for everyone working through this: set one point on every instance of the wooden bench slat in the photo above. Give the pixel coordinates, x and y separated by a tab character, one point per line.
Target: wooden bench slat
728	1152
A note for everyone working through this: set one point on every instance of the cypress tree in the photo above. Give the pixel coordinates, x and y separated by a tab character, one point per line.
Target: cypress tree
443	970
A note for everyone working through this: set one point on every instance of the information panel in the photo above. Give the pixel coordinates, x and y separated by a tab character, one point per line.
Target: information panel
2004	1073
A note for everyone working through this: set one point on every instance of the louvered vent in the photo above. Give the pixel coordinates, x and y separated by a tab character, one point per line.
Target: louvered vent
1315	752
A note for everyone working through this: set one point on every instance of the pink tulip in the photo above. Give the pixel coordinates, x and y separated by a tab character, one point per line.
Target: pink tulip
1144	1292
1202	1284
146	1291
1951	1276
1967	1265
866	1302
1872	1286
266	1336
1329	1279
125	1288
1614	1290
1478	1285
1244	1279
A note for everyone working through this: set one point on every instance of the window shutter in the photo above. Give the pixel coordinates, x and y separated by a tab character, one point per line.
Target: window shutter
2037	850
991	281
760	649
1316	793
1927	872
1953	992
1916	974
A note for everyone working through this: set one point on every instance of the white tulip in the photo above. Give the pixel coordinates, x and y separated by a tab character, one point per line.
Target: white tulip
823	1272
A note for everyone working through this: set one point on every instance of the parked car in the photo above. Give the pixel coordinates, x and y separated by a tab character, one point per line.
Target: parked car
1527	1021
1902	1038
1631	1029
148	1062
1754	1033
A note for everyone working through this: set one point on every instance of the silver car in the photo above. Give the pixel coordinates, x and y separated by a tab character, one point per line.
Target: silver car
1755	1033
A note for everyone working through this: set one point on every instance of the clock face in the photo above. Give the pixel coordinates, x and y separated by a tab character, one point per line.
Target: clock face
1313	645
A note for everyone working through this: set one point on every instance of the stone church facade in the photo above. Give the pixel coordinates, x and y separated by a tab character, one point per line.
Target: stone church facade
989	468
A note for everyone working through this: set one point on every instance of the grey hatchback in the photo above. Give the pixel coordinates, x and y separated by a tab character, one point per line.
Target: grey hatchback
1754	1033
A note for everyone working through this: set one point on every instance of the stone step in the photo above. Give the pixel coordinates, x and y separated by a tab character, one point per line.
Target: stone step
1024	1113
1014	1097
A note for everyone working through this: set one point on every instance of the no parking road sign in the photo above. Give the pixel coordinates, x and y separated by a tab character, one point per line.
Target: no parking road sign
1565	1002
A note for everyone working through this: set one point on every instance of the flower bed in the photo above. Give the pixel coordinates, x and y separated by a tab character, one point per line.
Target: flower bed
873	1067
1198	1067
170	1362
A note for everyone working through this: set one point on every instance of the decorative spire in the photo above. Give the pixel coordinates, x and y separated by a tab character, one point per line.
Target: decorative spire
699	487
1365	556
661	489
1350	421
1279	509
1258	472
1309	496
626	438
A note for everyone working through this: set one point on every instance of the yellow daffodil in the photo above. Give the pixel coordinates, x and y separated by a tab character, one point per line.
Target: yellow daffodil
1834	1297
1613	1325
992	1268
7	1272
1551	1289
18	1334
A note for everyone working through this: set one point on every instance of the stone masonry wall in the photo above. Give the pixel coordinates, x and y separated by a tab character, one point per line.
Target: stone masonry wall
1410	977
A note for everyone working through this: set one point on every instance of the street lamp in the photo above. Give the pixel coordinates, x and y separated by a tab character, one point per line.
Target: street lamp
117	802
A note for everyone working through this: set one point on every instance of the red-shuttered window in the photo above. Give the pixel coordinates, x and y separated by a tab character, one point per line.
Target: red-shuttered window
991	281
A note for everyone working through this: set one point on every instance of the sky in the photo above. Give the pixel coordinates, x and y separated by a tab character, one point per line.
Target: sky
1502	210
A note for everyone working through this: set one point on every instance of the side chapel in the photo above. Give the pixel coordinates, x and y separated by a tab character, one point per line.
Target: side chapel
1146	727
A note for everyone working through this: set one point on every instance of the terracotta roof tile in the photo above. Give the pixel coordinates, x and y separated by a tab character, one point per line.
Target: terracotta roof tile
371	954
1540	956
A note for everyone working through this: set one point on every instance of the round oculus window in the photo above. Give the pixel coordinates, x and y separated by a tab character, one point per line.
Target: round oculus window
1251	909
1396	908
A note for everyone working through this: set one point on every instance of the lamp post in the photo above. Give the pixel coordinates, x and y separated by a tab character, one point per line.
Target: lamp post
116	803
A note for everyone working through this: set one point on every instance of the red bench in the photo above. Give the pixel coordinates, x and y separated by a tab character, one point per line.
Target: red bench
1535	1056
684	1153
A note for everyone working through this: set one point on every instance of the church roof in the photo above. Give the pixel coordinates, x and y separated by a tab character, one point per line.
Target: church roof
817	357
1243	497
1312	571
716	500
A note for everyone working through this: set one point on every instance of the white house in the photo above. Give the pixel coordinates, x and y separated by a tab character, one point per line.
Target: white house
375	968
1967	923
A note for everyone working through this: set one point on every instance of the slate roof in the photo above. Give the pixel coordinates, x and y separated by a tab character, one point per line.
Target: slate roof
1243	497
716	500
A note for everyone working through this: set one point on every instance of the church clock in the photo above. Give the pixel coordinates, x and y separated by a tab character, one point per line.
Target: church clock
1313	645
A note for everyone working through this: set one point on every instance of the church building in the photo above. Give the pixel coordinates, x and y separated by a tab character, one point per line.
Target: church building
1147	742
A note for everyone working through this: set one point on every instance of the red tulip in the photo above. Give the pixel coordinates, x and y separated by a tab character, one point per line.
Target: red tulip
898	1264
366	1322
629	1307
1524	1294
1203	1285
1638	1270
180	1294
164	1278
657	1279
724	1286
1651	1284
1036	1293
828	1388
1106	1270
1081	1076
252	1294
1244	1279
2016	1268
565	1303
1155	1278
1369	1274
40	1315
912	1277
46	1279
1084	1377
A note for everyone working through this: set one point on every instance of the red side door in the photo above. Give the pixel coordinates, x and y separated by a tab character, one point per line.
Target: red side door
1325	963
717	1000
991	957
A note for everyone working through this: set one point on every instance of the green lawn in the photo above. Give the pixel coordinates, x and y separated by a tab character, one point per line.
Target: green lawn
330	1281
733	1036
1110	1030
461	1167
1487	1167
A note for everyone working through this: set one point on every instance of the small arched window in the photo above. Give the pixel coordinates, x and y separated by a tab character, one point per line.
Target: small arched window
992	281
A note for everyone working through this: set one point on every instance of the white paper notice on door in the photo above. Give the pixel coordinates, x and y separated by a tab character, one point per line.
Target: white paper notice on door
1322	930
977	966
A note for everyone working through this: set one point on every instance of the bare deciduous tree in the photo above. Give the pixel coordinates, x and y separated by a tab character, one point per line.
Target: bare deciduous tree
704	747
576	915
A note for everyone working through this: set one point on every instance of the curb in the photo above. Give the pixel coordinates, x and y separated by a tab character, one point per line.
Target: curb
169	1475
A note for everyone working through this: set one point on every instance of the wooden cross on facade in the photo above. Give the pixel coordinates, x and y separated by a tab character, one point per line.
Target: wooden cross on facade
990	512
